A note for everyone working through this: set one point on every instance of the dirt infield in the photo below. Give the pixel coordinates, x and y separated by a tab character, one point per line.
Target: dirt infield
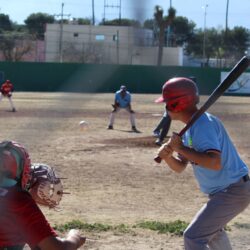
111	175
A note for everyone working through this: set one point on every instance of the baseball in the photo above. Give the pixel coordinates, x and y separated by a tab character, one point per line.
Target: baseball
83	125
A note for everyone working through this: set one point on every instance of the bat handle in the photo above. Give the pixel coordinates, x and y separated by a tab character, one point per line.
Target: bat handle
158	159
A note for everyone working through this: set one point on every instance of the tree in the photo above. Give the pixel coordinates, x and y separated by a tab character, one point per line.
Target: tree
5	23
36	23
237	40
216	47
162	23
14	45
121	22
194	46
182	30
82	21
149	24
214	44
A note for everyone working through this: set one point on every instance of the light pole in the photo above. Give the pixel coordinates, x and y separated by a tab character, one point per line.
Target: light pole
93	12
226	27
204	35
61	35
61	32
169	28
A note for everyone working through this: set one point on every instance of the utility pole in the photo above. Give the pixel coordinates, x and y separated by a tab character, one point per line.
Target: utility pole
61	32
226	26
117	47
61	35
204	35
169	28
93	12
120	13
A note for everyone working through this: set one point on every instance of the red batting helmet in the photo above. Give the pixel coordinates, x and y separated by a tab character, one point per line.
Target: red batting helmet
178	93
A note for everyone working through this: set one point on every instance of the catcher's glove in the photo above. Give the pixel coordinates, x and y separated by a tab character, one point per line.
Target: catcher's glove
45	187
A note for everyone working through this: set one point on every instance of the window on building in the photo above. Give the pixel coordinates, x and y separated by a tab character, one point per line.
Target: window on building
99	37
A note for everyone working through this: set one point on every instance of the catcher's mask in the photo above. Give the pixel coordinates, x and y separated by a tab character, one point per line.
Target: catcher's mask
45	187
14	164
179	93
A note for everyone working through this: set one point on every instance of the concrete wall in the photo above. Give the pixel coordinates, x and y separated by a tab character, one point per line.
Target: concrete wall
99	44
148	56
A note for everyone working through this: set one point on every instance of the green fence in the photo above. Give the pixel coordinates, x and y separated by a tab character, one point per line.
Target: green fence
73	77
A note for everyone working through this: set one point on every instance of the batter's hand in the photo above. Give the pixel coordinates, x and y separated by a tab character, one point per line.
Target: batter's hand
175	142
75	235
165	151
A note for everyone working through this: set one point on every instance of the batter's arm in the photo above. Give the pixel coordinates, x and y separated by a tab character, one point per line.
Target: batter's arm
176	163
210	159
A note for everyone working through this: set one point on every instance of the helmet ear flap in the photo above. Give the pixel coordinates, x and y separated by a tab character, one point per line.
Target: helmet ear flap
171	105
8	165
15	162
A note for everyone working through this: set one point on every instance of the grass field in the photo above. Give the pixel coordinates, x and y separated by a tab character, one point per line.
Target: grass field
114	183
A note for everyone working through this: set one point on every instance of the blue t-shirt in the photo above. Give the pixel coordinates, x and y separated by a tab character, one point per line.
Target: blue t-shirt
125	101
208	133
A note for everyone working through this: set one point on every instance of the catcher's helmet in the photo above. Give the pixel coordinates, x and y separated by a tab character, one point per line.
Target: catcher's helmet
179	93
15	163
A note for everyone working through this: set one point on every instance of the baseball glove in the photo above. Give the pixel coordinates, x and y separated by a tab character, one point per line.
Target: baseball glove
114	108
45	187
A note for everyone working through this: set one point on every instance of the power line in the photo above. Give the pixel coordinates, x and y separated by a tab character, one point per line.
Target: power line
112	6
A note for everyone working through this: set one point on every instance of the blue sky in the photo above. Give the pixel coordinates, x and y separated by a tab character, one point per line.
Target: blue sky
239	10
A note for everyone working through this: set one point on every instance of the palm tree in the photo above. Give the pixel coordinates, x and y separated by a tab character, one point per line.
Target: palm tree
162	22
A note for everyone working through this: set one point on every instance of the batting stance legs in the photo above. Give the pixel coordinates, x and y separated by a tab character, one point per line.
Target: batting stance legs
131	116
206	230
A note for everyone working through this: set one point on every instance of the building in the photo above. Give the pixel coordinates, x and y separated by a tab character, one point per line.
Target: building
105	45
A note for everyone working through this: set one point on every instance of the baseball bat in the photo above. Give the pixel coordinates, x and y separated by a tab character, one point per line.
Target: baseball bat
237	70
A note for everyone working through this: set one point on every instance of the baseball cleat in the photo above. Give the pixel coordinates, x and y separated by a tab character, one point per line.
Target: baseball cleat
156	133
158	142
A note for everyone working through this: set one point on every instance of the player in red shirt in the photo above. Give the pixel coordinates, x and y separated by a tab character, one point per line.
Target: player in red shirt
21	220
7	89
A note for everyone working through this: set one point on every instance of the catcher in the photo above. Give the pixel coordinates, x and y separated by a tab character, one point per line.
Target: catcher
22	186
122	101
7	89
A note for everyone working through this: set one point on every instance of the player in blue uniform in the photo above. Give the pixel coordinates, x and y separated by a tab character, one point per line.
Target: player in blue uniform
122	101
217	166
162	128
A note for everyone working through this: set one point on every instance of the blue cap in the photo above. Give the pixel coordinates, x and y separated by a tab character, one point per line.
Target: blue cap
123	87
